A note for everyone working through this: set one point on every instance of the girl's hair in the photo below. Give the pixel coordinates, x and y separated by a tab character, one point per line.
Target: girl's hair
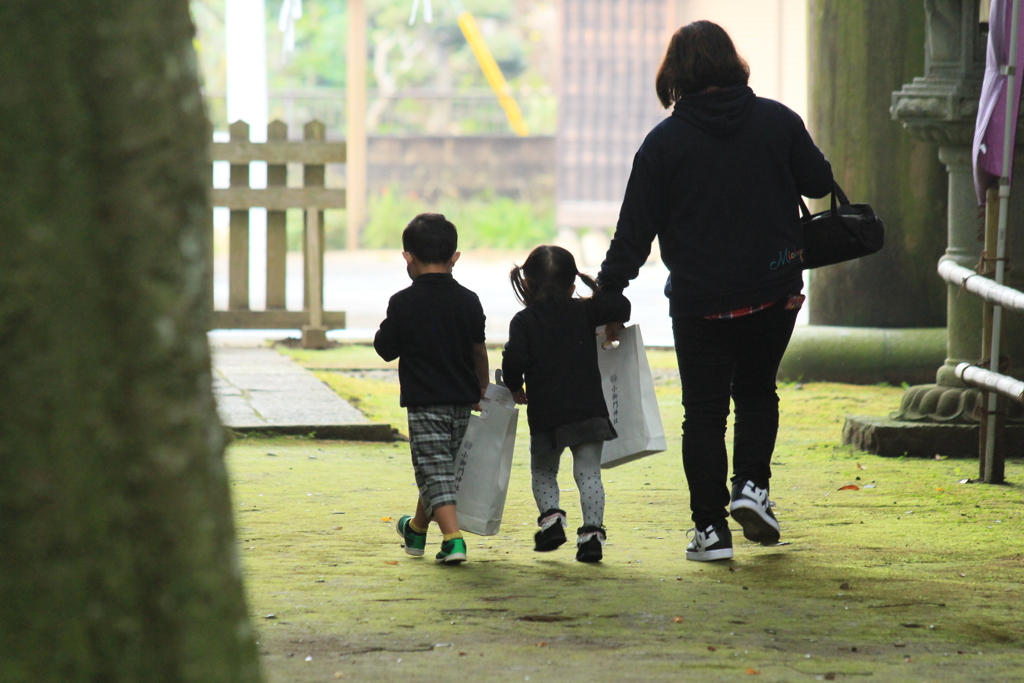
548	273
700	55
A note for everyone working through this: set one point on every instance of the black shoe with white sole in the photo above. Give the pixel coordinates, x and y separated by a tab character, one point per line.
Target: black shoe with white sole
753	511
713	543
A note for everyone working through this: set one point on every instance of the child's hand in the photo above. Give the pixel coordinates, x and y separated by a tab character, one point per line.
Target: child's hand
611	331
519	397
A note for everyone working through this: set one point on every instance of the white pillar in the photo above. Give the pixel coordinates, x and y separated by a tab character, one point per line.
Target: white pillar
246	42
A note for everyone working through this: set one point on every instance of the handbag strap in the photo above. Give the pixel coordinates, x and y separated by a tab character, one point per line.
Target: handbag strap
837	192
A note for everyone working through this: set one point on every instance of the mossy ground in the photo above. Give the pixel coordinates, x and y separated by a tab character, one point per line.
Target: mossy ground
916	579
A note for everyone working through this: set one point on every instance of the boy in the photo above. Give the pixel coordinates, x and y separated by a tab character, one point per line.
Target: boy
436	329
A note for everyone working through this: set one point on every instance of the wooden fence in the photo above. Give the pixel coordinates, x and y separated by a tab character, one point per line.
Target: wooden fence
313	152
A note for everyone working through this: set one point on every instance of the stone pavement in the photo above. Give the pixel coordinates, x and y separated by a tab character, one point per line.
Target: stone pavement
259	390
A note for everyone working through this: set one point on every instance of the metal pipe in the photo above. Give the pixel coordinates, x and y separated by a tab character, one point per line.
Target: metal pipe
987	289
991	381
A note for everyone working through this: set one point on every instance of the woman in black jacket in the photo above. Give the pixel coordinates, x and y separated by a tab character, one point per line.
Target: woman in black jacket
718	183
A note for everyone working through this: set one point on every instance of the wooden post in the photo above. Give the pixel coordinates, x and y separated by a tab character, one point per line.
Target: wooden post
314	335
991	471
313	175
210	247
355	137
238	232
277	233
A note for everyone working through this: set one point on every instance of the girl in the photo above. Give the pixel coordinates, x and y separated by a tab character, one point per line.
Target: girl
551	345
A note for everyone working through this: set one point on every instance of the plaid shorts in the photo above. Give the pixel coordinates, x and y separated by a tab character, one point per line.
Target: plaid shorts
435	434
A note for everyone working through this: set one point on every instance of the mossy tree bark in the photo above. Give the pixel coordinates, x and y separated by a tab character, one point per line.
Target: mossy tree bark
117	555
860	52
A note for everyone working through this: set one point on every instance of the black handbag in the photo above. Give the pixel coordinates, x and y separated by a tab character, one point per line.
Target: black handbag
845	232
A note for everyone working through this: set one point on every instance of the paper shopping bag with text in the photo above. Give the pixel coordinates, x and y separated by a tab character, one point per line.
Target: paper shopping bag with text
484	463
629	393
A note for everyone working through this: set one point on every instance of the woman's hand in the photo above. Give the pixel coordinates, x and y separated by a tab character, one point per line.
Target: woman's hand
519	397
611	331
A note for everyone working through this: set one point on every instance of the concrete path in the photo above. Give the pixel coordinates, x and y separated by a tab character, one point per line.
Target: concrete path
259	390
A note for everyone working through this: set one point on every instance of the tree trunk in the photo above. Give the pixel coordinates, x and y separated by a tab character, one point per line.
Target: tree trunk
860	52
117	554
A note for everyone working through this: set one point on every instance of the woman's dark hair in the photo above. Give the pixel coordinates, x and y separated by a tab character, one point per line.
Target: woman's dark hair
548	273
699	56
431	238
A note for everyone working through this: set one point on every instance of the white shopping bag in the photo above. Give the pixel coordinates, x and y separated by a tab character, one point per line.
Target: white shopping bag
632	405
484	462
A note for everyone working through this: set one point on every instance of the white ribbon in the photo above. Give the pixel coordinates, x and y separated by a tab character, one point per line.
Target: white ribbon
428	12
290	11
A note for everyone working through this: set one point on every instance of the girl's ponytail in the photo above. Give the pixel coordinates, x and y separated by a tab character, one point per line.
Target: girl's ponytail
589	282
515	276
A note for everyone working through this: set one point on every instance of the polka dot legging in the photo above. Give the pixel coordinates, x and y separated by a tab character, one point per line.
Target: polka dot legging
586	470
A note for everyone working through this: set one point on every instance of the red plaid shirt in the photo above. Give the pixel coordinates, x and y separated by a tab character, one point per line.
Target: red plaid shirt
793	303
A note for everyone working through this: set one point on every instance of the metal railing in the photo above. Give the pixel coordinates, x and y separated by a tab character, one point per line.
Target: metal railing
991	457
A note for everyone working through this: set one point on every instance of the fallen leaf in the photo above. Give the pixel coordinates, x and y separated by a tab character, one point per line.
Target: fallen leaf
337	528
940	457
962	574
339	674
542	644
939	488
390	561
908	659
463	654
711	648
830	676
849	487
677	620
385	519
753	671
845	585
861	467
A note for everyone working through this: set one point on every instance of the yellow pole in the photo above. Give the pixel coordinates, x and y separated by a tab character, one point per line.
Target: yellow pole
493	73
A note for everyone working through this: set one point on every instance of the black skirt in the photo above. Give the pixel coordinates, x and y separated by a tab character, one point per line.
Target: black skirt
585	431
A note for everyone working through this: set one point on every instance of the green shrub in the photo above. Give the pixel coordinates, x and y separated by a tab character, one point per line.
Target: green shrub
484	221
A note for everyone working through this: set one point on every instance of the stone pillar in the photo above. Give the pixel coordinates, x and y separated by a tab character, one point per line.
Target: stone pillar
963	335
942	107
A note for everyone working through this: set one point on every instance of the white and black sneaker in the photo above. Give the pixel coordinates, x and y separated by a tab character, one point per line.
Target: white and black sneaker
753	511
713	543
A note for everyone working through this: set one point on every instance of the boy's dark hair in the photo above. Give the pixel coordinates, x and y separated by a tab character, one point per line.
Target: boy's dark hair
700	55
549	272
431	238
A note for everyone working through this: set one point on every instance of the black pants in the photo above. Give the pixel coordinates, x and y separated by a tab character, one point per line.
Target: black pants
734	358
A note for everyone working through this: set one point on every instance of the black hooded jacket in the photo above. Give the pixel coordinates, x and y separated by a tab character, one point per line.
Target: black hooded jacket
718	184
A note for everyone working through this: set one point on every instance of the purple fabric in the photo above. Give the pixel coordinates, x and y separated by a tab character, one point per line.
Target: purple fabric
987	151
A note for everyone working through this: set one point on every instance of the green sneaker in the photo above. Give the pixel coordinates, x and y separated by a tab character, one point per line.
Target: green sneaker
452	552
414	542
